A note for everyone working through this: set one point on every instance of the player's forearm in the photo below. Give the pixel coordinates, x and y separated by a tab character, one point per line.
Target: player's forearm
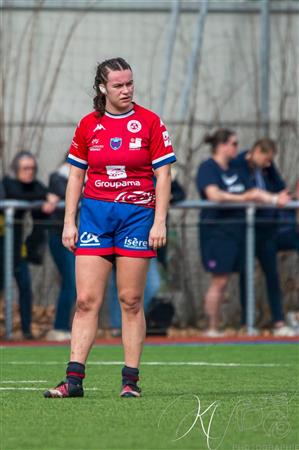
73	194
163	189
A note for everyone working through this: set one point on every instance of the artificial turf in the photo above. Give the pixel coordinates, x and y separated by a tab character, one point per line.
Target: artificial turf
253	390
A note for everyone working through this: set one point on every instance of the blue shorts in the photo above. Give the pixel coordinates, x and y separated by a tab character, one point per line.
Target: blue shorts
108	228
222	250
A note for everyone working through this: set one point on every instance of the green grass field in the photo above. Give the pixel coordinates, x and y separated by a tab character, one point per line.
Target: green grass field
252	392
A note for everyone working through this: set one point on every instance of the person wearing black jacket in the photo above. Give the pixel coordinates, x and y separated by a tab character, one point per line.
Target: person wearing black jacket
257	167
23	185
64	260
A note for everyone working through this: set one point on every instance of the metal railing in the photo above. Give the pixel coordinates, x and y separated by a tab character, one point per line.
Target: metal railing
10	206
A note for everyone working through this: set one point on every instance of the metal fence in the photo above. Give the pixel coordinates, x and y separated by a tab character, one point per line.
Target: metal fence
10	206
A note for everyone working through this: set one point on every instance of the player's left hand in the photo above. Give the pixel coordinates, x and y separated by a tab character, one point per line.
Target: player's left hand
157	236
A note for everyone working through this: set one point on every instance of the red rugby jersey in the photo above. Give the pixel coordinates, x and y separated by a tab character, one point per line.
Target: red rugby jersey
120	153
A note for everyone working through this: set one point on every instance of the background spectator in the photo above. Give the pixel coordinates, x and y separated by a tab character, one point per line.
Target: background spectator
64	259
23	185
257	167
287	236
222	231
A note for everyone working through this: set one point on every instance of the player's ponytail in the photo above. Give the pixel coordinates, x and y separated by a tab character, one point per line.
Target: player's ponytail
220	136
114	64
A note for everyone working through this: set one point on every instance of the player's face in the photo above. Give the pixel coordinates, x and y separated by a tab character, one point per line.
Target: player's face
26	170
261	159
120	90
232	146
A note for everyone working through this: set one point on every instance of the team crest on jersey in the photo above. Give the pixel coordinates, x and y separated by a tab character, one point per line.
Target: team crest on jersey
115	143
134	126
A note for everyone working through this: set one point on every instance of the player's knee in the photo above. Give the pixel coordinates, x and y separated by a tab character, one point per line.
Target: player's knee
84	304
130	301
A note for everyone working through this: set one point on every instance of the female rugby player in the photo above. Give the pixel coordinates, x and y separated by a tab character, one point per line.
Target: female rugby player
123	215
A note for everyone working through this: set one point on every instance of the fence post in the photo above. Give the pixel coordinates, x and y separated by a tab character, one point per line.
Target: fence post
8	270
250	262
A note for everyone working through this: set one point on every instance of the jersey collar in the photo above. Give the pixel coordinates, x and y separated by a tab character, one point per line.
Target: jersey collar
120	116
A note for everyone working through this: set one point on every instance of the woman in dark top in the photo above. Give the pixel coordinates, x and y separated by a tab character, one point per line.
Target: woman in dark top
23	185
222	230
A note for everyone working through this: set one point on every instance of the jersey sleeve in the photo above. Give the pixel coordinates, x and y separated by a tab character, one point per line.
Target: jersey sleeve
160	145
78	150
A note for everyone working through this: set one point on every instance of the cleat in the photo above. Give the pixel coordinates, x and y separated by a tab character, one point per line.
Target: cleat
64	390
129	390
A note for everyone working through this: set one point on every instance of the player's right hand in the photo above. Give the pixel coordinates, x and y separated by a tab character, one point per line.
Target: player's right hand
70	237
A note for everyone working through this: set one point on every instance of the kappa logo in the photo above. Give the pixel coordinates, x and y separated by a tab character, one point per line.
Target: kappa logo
135	143
229	180
134	126
116	172
115	143
87	238
99	127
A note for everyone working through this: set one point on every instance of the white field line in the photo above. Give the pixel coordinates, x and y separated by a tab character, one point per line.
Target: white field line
154	363
37	389
23	381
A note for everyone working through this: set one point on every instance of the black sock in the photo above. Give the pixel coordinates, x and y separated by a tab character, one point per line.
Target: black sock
75	372
130	375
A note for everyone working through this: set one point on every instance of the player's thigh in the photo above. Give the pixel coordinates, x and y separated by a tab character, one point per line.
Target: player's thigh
131	274
92	274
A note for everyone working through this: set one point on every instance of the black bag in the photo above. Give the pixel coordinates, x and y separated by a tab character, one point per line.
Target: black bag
159	317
